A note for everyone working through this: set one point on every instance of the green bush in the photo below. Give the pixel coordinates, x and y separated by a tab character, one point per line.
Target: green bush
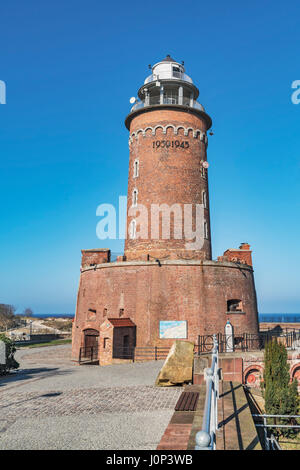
281	396
11	363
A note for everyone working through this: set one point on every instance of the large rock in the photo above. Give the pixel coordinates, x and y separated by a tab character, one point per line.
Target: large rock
178	367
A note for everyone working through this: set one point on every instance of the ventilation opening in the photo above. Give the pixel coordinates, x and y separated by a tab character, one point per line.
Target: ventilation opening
234	305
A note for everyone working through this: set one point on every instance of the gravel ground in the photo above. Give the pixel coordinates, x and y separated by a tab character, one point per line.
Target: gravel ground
53	404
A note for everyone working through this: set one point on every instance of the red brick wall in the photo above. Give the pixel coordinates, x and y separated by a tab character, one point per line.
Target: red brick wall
192	291
243	254
167	176
106	343
95	256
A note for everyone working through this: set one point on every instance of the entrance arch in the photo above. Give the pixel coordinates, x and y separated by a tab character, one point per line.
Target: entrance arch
295	373
91	337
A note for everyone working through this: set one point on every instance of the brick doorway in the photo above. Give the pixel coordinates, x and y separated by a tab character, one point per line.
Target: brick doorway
91	338
117	340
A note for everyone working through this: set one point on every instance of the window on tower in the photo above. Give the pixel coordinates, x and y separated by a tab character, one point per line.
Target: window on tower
132	229
176	72
234	305
204	197
205	230
134	197
136	169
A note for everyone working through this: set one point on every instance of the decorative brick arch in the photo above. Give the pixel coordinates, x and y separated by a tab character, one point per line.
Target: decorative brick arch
295	372
186	130
253	375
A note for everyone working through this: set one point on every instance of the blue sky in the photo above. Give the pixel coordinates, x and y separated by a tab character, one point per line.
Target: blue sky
70	68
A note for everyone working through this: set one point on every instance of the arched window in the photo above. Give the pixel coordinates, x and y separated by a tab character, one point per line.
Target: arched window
205	230
204	198
132	229
134	197
136	169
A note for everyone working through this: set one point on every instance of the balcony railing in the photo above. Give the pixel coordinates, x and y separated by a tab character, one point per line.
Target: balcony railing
155	100
169	76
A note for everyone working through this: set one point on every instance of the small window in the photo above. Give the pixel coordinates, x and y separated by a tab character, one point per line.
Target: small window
203	172
134	197
136	169
104	312
234	305
205	230
105	343
204	197
132	230
121	312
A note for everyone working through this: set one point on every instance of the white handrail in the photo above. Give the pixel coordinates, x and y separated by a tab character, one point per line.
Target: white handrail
206	438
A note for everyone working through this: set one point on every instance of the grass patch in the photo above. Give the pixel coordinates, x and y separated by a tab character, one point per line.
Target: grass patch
55	342
287	443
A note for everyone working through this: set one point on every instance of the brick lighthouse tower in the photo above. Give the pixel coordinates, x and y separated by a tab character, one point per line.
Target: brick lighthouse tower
166	285
167	168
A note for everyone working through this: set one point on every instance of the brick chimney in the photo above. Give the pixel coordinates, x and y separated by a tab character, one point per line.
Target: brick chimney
238	255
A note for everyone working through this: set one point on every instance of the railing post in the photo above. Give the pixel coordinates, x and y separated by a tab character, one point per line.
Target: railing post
266	435
206	438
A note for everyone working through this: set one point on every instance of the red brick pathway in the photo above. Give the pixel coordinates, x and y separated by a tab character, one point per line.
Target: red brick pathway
178	434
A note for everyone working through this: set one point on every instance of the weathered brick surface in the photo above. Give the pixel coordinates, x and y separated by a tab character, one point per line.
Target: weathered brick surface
95	256
241	255
176	437
167	176
196	292
185	284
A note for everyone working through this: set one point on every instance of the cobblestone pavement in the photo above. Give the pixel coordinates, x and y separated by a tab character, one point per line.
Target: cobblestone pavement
88	401
69	407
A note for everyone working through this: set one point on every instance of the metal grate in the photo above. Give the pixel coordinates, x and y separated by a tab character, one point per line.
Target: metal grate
187	401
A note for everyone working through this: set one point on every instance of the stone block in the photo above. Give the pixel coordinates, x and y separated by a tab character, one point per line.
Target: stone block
178	366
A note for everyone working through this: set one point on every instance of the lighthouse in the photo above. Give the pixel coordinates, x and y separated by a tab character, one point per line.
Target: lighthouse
168	176
166	285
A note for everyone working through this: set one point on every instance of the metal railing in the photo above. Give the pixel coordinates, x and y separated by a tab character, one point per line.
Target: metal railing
135	354
246	341
206	438
166	100
150	353
88	354
169	76
270	441
123	352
